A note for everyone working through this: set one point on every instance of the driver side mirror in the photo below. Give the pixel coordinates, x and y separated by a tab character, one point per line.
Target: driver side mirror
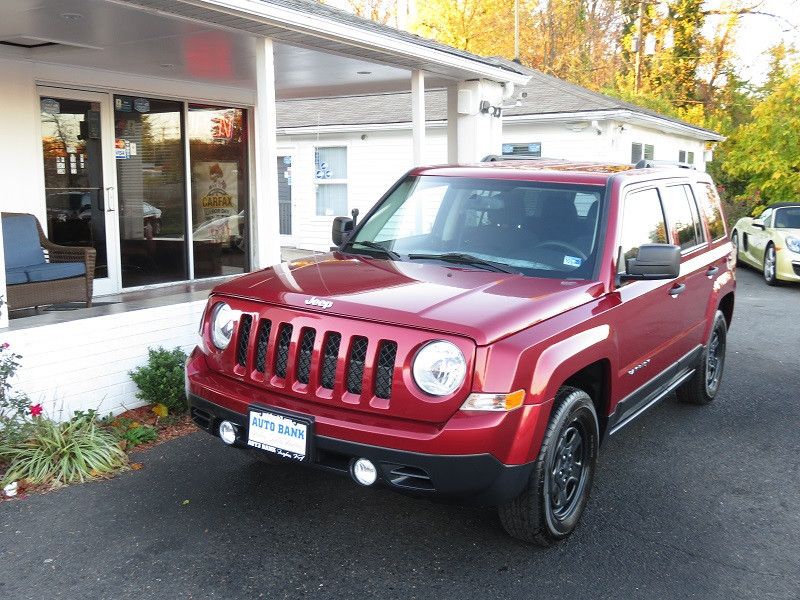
341	229
758	223
653	262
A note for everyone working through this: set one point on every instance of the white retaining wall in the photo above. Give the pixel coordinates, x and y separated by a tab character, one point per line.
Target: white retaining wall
84	364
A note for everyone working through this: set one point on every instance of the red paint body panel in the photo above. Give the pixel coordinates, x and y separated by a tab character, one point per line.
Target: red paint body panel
516	332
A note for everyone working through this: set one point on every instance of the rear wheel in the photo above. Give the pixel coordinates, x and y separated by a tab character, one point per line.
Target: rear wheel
550	506
703	386
770	265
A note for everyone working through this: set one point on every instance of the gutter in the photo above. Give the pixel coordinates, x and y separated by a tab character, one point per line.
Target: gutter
321	27
622	115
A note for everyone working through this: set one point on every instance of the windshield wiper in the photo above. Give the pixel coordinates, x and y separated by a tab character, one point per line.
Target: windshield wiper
467	259
374	246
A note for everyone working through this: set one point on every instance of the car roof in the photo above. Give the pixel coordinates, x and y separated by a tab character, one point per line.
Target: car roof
553	170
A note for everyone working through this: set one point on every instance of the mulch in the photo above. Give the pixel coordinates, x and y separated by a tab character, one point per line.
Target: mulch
168	428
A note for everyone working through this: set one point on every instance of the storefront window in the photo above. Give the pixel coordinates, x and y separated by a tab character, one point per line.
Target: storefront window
151	189
218	166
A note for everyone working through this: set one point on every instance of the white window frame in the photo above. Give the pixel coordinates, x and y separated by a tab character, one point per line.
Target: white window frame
340	181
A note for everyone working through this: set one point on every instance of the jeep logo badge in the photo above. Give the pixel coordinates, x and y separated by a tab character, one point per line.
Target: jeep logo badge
314	301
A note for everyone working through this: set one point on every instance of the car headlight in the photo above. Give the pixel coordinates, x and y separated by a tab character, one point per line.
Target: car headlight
439	368
793	243
223	318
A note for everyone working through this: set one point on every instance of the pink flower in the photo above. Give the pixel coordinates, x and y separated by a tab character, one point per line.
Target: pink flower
36	410
4	345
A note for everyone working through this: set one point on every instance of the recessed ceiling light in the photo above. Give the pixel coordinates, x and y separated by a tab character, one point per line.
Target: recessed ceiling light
363	72
71	16
167	66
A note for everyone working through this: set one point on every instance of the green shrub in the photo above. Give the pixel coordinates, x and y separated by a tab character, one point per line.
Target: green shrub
130	432
161	379
62	453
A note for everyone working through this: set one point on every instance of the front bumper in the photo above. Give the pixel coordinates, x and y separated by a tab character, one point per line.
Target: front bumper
788	265
469	478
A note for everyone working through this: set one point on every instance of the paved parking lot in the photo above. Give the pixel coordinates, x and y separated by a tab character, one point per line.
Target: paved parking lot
689	503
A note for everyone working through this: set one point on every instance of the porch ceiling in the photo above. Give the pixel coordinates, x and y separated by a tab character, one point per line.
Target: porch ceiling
198	45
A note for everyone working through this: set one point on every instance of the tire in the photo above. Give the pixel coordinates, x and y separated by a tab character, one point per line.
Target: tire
735	242
533	516
704	385
770	265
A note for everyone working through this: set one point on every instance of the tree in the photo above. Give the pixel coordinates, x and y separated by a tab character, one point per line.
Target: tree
380	11
766	151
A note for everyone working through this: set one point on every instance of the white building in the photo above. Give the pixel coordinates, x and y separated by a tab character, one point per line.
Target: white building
147	130
367	142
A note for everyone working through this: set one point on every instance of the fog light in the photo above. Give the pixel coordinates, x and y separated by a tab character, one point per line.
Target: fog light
364	472
227	432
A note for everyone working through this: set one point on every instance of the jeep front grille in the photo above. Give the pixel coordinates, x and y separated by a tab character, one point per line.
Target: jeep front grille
302	359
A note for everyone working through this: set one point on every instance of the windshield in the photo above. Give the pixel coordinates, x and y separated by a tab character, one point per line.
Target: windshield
533	228
788	218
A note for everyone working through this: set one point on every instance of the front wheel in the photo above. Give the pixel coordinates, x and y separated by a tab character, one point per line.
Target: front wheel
550	506
703	386
735	243
770	265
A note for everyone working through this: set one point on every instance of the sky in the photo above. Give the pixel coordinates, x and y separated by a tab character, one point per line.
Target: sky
758	33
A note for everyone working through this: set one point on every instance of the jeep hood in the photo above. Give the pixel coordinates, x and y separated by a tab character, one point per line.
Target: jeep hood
482	305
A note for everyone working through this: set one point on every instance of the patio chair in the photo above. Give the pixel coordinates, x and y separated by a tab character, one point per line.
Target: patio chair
33	278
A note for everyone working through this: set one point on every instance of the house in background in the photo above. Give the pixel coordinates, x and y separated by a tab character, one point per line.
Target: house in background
343	153
146	129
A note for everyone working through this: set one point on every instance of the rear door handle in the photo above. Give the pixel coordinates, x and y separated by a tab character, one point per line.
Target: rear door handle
712	271
676	289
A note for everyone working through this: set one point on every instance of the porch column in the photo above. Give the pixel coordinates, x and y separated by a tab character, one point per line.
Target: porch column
473	131
266	248
3	294
418	116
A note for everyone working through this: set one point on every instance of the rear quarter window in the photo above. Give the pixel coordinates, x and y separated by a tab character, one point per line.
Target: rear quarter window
709	204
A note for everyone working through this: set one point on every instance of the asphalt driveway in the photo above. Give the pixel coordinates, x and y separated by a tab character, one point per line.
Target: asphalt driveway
688	503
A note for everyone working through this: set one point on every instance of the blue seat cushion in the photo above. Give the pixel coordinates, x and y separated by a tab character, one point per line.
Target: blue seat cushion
21	241
54	271
16	275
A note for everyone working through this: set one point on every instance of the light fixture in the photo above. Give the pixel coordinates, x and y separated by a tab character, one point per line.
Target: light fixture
227	432
69	16
364	472
363	72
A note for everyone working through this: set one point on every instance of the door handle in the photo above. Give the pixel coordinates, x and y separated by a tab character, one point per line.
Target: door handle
676	289
712	271
110	199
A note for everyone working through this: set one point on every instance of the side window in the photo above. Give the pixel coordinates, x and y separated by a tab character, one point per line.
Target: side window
330	177
698	222
681	217
766	216
709	201
642	223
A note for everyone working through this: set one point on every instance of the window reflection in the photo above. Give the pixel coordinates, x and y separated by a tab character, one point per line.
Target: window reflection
218	161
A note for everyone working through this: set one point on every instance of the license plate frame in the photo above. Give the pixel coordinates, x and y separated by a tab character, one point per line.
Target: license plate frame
265	440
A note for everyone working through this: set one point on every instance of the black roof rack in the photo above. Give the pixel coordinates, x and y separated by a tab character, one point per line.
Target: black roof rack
498	157
654	164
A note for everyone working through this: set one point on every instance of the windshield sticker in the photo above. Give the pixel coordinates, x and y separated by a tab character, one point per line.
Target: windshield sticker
572	261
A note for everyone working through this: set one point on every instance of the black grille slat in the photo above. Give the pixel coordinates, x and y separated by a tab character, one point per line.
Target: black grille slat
262	340
355	364
282	349
385	369
307	338
244	338
330	356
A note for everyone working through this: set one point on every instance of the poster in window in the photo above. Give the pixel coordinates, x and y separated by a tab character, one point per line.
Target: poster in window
216	199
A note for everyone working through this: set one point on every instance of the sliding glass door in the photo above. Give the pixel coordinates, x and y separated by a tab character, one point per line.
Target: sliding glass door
149	153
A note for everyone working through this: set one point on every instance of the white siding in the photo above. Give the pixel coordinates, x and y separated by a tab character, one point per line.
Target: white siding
84	364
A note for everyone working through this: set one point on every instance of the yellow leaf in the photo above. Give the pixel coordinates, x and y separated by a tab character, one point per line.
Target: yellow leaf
160	410
136	466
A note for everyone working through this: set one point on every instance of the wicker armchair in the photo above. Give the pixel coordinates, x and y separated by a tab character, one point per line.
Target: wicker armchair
30	281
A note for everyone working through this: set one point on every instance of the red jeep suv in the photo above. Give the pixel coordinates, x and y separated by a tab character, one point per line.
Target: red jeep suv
478	334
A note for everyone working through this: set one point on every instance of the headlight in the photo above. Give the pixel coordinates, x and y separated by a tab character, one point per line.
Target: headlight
439	368
793	243
223	318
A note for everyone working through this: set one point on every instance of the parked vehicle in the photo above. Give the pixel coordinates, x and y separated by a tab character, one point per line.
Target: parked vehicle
771	242
478	334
